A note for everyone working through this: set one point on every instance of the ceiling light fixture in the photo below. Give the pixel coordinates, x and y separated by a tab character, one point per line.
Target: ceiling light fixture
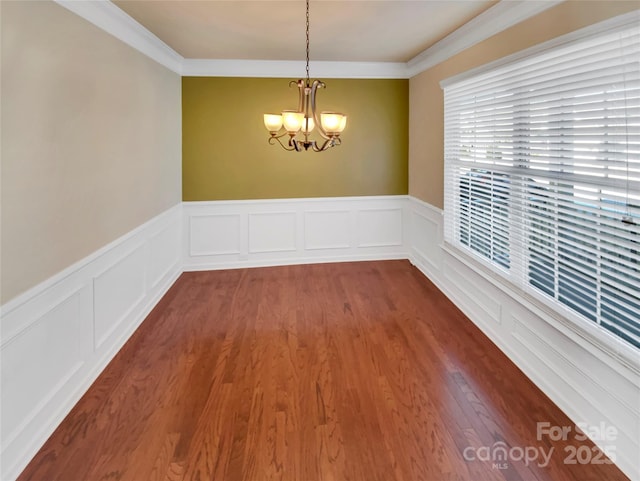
303	120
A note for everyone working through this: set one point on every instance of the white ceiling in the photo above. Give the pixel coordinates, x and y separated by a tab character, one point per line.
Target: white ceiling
341	30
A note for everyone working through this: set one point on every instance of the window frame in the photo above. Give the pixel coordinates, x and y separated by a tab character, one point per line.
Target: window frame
593	333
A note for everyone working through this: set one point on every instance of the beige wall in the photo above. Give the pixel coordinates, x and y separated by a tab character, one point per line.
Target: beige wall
91	141
221	161
426	113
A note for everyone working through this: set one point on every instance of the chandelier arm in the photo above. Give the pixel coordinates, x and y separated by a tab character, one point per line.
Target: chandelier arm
300	84
305	109
271	139
276	136
296	144
325	146
316	118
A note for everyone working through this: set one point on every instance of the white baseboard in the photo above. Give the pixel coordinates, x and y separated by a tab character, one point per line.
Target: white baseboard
59	336
589	387
247	233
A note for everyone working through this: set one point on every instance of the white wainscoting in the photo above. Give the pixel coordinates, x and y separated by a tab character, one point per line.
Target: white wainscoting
587	384
247	233
57	337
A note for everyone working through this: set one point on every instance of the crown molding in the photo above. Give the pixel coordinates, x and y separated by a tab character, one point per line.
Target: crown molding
292	68
108	17
501	16
629	19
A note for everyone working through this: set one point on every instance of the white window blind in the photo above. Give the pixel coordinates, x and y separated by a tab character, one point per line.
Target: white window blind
542	176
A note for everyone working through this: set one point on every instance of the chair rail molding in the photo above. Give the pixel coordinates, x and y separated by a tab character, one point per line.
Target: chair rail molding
58	336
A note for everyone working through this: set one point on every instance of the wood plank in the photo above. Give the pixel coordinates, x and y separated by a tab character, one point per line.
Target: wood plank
346	372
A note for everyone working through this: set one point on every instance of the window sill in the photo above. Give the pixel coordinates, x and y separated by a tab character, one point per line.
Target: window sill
596	340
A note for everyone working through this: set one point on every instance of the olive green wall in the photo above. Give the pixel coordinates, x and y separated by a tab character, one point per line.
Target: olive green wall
426	137
226	154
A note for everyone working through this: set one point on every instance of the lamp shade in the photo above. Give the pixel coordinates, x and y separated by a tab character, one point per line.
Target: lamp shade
308	124
333	122
273	122
343	123
292	120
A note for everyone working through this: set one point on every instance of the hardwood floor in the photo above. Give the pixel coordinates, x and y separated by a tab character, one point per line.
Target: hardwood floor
328	372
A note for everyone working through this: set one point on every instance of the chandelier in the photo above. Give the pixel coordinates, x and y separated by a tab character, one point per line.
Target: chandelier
298	124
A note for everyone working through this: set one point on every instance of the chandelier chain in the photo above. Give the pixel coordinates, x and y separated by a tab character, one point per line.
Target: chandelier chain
308	43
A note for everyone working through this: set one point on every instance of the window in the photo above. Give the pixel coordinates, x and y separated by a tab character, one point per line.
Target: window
542	173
